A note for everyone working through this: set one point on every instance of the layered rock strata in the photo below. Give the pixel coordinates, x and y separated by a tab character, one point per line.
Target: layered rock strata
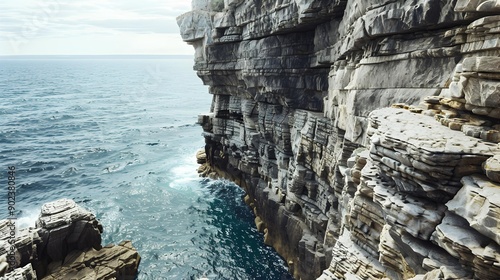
342	188
66	244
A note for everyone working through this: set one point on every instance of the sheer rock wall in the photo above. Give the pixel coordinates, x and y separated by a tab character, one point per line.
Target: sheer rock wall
341	187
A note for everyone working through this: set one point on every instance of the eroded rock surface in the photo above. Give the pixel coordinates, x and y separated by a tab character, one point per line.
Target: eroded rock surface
22	273
66	244
110	262
342	188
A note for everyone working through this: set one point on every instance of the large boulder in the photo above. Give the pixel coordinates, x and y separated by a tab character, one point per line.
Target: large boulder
66	244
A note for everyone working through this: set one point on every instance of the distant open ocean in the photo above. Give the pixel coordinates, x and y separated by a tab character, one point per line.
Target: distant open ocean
118	135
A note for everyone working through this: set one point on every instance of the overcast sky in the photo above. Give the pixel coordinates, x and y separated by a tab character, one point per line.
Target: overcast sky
65	27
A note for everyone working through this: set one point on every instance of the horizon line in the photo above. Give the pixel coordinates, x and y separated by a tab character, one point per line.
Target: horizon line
92	55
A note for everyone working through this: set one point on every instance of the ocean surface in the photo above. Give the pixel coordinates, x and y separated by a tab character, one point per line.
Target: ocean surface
119	137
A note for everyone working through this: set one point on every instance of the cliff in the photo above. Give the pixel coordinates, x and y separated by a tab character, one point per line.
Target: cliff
364	132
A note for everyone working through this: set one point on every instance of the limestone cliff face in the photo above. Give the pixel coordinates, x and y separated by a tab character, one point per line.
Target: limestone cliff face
341	187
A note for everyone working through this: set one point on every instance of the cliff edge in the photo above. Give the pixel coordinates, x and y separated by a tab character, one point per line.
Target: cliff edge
364	132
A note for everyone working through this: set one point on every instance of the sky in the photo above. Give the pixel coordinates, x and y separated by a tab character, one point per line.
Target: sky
92	27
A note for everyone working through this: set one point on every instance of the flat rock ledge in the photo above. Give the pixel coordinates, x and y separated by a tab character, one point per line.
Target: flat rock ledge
65	244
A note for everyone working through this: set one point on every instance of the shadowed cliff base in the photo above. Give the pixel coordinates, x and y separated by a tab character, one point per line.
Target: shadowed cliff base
343	188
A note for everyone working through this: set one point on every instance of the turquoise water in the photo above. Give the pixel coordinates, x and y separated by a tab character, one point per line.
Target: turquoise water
119	137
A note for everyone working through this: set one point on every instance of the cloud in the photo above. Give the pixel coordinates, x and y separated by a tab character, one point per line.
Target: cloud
42	21
138	25
122	43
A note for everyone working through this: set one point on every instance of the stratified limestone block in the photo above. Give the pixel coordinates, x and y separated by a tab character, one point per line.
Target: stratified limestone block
365	223
354	173
65	226
405	225
484	27
407	255
482	92
478	201
349	259
426	160
405	213
454	112
195	25
282	16
476	252
399	17
66	243
490	64
62	212
492	168
487	6
111	262
392	256
474	87
443	272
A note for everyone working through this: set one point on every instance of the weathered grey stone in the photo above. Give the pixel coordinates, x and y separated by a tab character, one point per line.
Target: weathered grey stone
427	160
27	245
492	168
477	5
482	63
483	93
64	226
111	262
295	83
478	201
489	6
66	244
349	258
22	273
443	272
476	252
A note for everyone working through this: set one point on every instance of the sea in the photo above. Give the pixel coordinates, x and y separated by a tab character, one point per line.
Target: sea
118	135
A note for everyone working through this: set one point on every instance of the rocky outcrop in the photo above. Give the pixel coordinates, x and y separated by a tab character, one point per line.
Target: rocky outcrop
110	262
343	188
66	244
21	273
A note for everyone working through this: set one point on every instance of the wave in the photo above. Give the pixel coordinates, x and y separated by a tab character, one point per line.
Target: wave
28	219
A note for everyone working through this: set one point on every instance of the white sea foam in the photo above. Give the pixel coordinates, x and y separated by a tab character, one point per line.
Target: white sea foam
29	219
184	173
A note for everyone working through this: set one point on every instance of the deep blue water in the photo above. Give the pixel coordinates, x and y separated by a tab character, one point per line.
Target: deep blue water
119	137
